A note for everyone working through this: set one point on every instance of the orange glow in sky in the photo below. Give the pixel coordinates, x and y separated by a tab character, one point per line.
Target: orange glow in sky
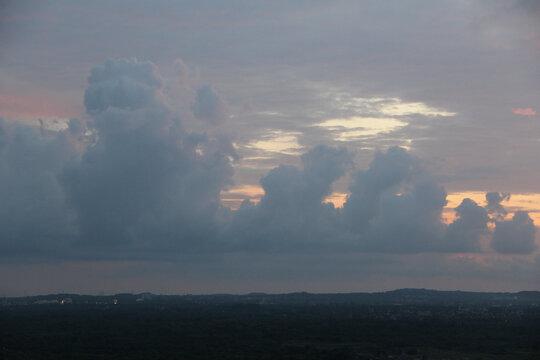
527	202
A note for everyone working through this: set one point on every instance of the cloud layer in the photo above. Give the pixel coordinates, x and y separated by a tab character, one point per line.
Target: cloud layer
130	182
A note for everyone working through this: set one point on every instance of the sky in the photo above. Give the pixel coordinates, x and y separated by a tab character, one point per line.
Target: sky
248	146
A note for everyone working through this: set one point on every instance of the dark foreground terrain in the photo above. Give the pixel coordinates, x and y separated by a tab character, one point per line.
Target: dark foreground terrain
405	324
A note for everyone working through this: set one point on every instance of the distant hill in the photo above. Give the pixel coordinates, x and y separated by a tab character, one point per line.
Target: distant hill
394	297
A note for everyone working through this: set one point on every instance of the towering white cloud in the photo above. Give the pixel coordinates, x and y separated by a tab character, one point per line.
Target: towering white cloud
145	184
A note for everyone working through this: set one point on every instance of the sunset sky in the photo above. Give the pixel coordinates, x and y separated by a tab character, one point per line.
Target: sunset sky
237	146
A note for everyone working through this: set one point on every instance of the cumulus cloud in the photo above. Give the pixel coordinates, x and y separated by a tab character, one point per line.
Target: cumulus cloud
146	182
125	84
464	234
291	211
128	181
395	205
515	236
208	106
386	172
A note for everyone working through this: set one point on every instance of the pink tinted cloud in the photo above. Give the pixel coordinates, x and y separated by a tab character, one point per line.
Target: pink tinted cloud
524	112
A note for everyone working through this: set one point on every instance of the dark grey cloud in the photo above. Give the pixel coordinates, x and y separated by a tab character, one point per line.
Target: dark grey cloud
515	236
124	84
395	205
145	184
130	181
34	218
291	215
387	171
208	106
464	233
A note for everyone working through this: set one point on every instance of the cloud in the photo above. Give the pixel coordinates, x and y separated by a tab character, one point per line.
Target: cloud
283	59
34	219
524	112
395	205
291	214
515	236
465	232
128	181
123	83
208	106
386	172
145	184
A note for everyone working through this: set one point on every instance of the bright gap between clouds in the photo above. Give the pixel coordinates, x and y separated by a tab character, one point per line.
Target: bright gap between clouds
373	116
396	107
277	141
390	106
350	128
530	202
526	202
233	198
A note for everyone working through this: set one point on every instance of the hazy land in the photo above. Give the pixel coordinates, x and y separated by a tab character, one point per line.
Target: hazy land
401	324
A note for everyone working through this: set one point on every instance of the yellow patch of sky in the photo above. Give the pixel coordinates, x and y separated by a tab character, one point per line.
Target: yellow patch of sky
381	119
397	107
389	106
354	127
336	198
232	198
278	141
